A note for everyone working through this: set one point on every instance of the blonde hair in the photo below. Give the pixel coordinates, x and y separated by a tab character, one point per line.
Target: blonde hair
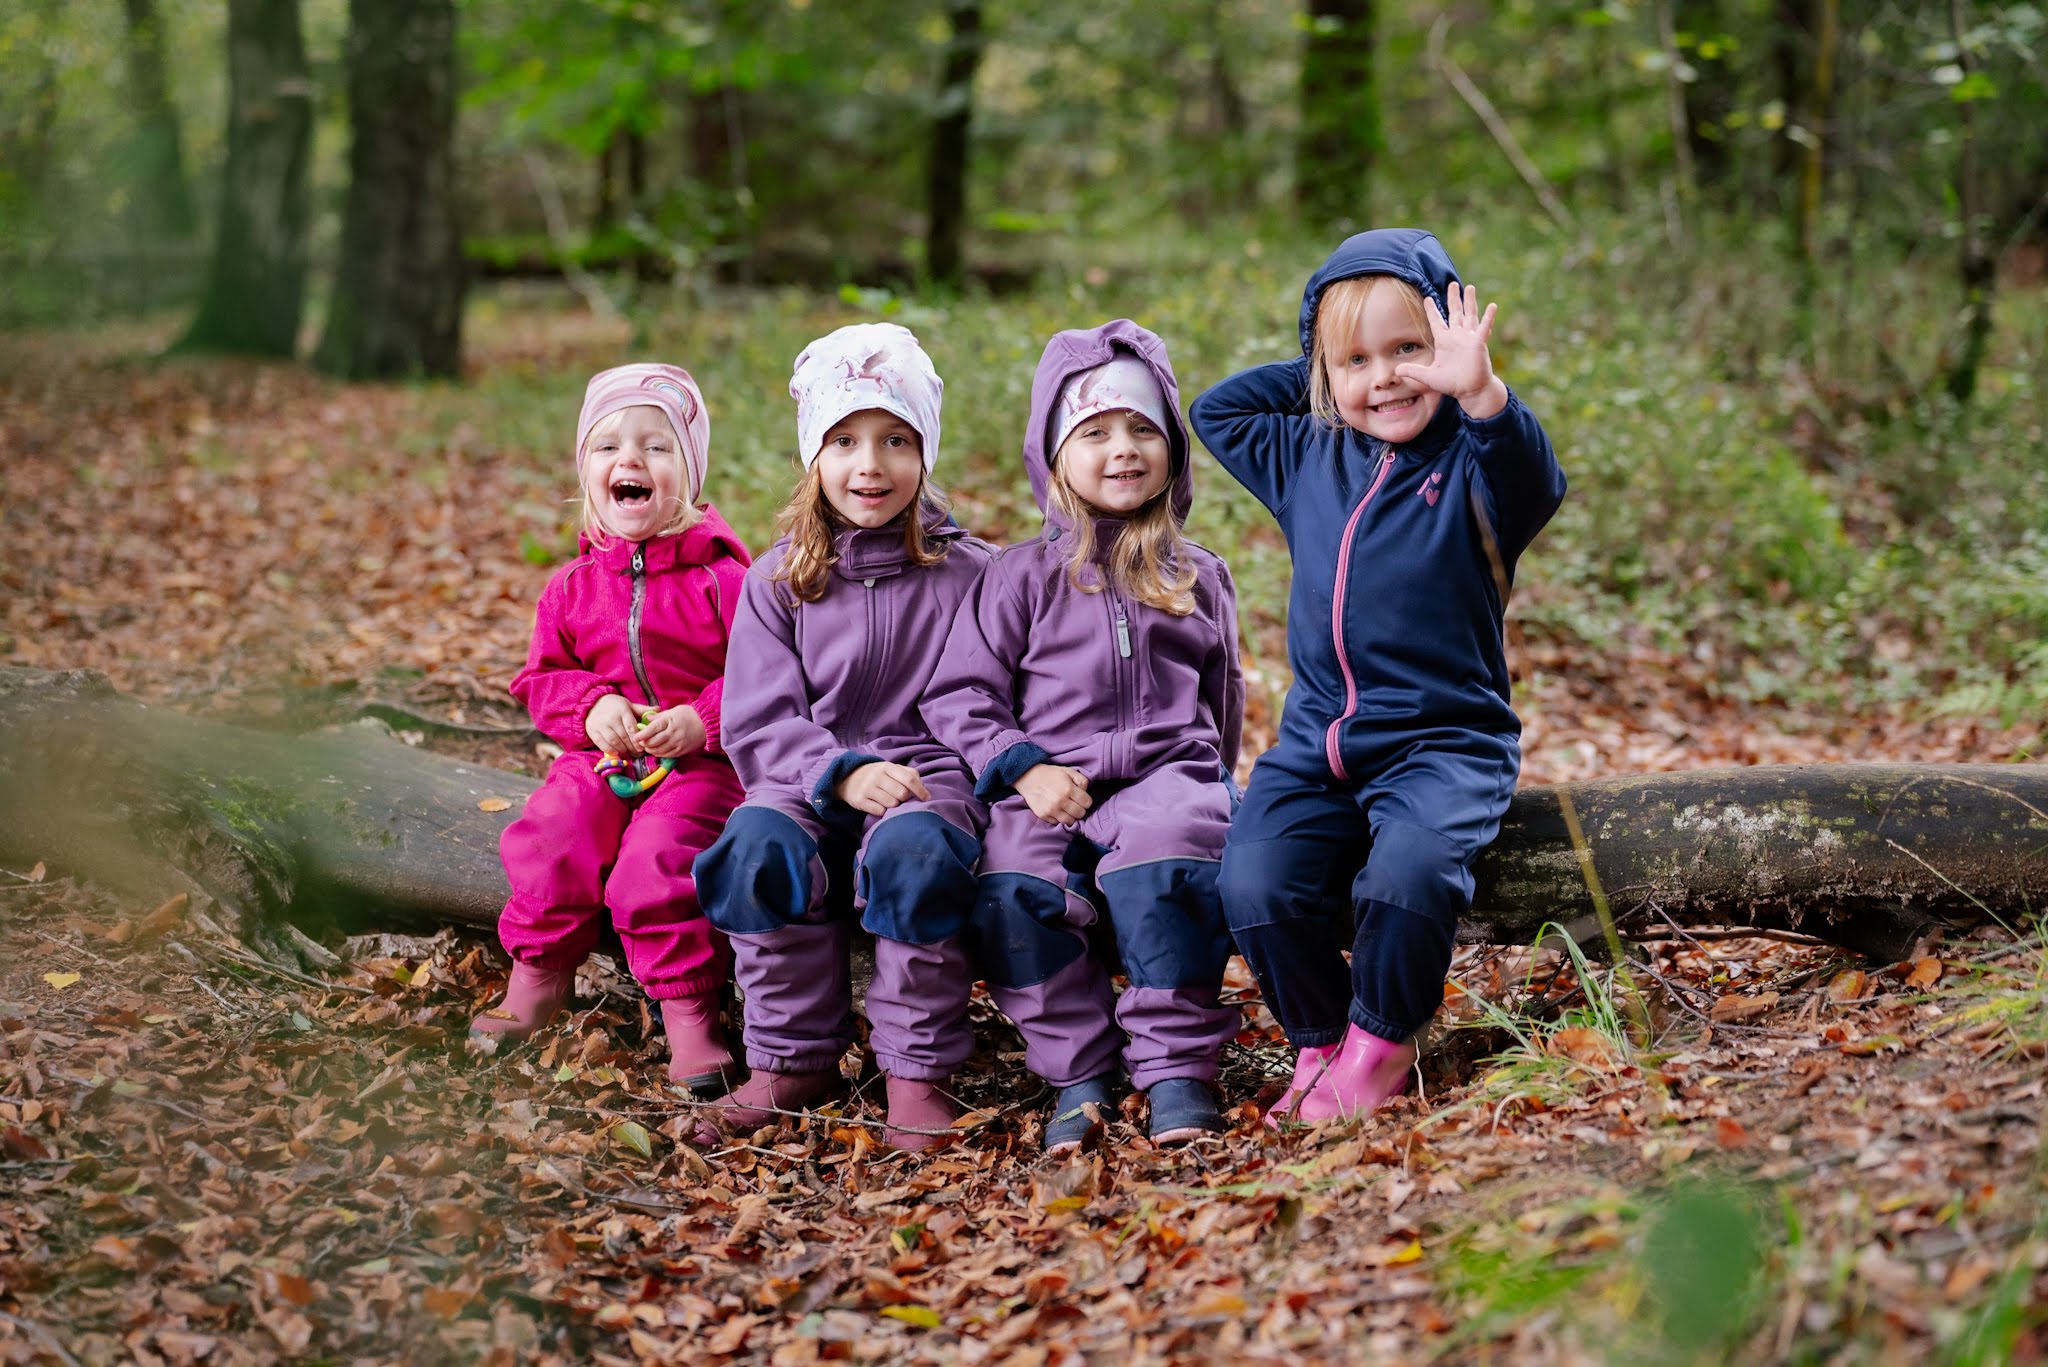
686	514
1145	561
811	523
1338	315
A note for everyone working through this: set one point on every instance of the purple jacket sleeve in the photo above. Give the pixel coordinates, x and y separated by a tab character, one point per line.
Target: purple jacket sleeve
1225	685
730	575
970	703
1254	423
1521	470
769	733
557	690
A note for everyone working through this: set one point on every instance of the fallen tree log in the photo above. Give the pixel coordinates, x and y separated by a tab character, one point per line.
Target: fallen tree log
152	802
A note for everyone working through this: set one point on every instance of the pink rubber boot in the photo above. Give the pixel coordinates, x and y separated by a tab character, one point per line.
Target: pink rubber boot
697	1053
915	1106
1366	1071
533	997
1309	1066
763	1098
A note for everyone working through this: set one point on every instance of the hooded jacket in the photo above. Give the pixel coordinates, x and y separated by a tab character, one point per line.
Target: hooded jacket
648	620
1037	670
820	688
1403	556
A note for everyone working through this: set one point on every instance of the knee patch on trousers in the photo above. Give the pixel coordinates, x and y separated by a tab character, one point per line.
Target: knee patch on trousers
1020	931
1416	868
757	877
1169	923
917	879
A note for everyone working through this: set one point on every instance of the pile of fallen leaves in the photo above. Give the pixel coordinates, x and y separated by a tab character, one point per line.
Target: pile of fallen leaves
205	1159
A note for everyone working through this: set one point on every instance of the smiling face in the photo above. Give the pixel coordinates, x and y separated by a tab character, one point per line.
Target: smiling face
871	467
633	474
1390	327
1117	461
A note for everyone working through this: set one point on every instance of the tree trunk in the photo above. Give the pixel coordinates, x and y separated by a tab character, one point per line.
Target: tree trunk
947	180
1816	114
397	304
159	143
1978	269
256	286
151	803
1340	115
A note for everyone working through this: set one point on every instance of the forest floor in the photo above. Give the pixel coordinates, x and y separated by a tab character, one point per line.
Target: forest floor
1789	1155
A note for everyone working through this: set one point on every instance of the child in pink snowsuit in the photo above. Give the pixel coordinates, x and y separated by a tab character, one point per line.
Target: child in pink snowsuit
628	660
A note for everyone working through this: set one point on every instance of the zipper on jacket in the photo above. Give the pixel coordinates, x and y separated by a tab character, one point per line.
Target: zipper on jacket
1123	631
633	623
1330	737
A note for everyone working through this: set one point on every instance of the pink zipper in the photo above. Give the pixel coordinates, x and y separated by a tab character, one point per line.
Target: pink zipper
1337	619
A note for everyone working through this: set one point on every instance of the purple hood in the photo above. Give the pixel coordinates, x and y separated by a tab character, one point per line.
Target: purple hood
1076	350
817	689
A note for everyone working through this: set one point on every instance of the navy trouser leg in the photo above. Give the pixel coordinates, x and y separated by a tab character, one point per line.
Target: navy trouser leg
1294	847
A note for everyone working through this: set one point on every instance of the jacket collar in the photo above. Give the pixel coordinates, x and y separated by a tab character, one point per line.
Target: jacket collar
877	552
703	541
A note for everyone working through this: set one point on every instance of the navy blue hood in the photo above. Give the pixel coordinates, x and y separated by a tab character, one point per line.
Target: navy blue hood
1408	254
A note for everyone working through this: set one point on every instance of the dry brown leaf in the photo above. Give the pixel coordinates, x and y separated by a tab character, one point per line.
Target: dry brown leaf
494	804
1731	1009
1925	974
1848	986
1582	1045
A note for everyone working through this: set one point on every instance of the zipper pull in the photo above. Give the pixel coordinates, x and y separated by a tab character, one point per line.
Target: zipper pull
1123	633
639	560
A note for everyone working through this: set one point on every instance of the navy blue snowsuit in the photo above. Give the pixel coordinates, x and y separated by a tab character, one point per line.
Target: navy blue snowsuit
1398	750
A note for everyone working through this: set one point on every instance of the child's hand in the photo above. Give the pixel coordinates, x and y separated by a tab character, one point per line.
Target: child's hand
1461	366
611	726
876	787
674	733
1055	793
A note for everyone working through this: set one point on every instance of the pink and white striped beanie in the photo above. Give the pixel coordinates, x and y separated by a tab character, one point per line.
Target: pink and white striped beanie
666	387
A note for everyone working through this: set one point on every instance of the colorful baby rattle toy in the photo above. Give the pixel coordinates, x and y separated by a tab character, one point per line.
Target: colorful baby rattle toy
635	778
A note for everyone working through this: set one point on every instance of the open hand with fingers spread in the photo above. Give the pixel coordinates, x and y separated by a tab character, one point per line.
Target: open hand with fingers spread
1056	793
1460	365
875	788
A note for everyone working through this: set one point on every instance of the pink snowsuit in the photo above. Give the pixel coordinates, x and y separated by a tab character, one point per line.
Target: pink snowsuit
649	621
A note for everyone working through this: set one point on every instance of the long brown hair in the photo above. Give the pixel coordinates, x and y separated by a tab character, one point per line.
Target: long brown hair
1145	561
811	524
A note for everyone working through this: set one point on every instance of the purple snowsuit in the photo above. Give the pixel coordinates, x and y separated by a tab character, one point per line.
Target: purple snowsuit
819	689
649	621
1149	707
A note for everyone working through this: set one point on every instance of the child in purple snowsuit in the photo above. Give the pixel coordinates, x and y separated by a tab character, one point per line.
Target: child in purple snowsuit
839	627
1093	684
628	659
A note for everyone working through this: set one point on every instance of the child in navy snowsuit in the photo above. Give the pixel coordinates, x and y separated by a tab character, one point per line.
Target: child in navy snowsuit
1092	683
1408	479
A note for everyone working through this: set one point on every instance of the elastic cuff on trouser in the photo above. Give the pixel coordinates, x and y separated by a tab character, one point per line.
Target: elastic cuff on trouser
1378	1028
696	985
1174	1032
917	1008
1068	1023
815	1062
1301	976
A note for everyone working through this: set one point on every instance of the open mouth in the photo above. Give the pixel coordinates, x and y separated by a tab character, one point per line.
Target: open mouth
631	494
871	495
1395	405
